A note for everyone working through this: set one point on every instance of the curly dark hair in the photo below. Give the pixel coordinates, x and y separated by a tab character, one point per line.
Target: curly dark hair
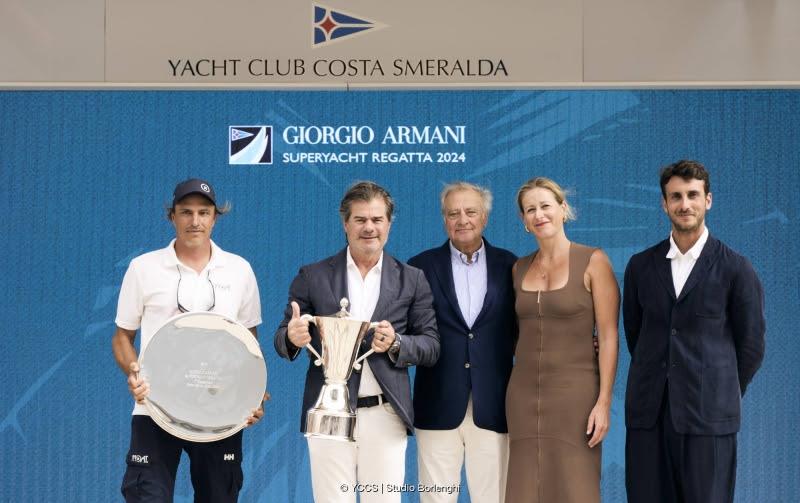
687	170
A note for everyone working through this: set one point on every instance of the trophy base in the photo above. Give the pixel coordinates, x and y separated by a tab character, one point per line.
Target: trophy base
330	425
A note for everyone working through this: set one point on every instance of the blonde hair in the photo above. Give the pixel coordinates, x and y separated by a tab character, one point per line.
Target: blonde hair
541	182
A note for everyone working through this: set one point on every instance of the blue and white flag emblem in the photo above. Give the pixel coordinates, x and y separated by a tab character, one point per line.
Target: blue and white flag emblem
250	145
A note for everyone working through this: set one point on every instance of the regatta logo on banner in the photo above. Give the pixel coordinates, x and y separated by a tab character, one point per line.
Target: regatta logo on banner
250	145
333	25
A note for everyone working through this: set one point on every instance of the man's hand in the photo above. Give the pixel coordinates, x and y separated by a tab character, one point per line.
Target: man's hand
136	385
297	329
258	413
384	337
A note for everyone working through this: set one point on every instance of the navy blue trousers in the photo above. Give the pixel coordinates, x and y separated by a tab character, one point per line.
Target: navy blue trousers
662	465
153	459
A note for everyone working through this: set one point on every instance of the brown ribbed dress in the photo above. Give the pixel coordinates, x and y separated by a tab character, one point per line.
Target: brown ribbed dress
552	390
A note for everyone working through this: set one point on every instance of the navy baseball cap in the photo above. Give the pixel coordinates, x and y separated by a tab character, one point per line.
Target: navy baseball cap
193	186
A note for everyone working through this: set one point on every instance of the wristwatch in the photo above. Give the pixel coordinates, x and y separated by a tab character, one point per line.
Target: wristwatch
394	349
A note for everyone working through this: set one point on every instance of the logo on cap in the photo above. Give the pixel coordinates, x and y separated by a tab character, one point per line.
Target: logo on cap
250	145
204	188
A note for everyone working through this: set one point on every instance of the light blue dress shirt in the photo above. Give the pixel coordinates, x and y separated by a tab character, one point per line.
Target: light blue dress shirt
470	281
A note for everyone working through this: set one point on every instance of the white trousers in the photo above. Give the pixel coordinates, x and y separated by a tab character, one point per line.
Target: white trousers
374	464
442	452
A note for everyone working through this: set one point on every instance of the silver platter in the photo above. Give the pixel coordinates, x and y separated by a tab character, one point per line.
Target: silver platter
206	375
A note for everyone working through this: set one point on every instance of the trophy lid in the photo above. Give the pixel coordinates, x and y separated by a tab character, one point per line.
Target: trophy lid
343	312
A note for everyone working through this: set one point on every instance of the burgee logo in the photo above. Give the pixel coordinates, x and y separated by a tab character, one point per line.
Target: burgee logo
250	145
333	25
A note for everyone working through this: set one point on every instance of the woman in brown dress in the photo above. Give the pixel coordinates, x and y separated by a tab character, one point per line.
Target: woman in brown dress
559	396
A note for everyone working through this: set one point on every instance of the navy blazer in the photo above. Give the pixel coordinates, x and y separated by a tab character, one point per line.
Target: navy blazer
704	346
441	392
405	301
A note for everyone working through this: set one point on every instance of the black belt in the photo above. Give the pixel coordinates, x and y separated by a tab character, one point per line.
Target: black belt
370	401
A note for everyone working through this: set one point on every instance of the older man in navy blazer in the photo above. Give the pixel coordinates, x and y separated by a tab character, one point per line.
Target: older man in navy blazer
459	404
385	290
694	321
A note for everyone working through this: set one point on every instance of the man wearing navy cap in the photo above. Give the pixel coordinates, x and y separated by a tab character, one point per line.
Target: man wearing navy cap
191	274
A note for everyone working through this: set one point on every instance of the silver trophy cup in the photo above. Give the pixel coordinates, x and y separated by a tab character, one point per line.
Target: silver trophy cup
331	416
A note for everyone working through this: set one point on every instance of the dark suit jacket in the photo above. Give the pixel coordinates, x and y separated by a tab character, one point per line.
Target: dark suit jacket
405	301
703	346
441	392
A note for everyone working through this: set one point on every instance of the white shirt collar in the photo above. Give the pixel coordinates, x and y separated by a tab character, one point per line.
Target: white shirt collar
693	252
455	253
352	263
217	256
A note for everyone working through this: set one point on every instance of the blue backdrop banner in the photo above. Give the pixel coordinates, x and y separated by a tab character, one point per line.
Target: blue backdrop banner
85	177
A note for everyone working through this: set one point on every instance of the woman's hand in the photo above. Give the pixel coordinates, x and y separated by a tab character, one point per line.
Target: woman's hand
599	422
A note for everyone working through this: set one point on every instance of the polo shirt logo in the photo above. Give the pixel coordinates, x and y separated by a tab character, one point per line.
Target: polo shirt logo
222	286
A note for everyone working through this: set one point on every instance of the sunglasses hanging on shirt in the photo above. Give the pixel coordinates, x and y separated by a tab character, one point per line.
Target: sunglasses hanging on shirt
181	308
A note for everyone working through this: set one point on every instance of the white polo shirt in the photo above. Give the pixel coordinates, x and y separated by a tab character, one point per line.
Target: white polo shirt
149	293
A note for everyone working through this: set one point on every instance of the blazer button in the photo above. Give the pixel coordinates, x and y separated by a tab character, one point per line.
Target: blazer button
470	335
673	332
466	365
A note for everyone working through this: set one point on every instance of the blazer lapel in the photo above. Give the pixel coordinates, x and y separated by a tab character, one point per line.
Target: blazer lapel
338	279
663	267
491	286
444	273
390	286
701	267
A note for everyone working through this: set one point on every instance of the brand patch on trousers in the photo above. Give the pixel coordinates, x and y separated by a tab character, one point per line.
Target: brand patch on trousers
139	459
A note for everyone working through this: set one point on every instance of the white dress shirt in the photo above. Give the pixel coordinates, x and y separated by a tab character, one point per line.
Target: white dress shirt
363	296
683	263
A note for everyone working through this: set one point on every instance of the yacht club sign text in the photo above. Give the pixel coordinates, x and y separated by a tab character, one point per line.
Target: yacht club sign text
298	67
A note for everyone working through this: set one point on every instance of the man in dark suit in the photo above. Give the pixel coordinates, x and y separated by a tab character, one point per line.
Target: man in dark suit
378	287
460	403
694	321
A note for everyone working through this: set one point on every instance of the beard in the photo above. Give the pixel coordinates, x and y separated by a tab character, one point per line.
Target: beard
686	227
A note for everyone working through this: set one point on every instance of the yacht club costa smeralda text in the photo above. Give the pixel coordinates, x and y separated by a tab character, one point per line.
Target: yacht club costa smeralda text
326	68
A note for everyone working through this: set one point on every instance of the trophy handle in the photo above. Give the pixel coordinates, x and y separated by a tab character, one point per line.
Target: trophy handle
311	319
357	363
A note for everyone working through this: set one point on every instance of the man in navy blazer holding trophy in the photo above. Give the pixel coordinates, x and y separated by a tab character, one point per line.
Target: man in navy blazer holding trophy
459	403
694	322
397	298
